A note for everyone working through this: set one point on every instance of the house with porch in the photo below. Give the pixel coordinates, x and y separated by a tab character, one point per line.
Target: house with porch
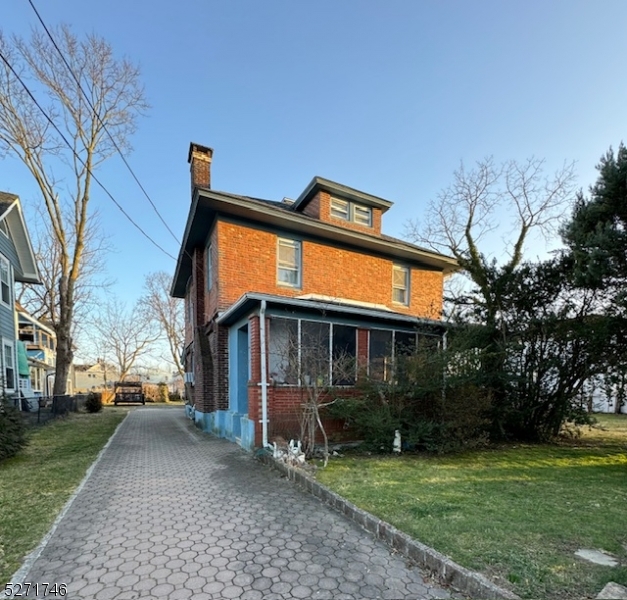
17	263
282	293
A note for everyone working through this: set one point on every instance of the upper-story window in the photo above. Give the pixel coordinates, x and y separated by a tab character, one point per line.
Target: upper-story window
289	262
209	259
189	303
5	281
400	284
349	211
4	228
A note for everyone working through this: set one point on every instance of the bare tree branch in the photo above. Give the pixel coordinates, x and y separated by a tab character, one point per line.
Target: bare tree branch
117	99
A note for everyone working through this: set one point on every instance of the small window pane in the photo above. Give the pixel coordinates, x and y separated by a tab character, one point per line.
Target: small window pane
380	353
340	209
344	354
283	351
314	353
4	282
362	215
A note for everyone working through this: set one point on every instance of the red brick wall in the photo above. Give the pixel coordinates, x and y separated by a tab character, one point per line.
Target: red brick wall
319	207
247	262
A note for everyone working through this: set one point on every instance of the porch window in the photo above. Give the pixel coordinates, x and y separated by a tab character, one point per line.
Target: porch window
315	353
5	281
311	352
283	351
380	352
289	261
344	354
400	285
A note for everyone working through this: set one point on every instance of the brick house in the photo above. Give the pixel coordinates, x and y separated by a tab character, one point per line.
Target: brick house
266	281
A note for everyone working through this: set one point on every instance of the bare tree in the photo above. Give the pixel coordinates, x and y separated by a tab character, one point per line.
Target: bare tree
125	335
42	301
168	314
514	196
94	123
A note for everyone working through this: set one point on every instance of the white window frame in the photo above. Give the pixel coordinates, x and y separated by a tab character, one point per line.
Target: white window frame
297	267
10	344
5	264
366	216
344	210
405	288
340	209
4	227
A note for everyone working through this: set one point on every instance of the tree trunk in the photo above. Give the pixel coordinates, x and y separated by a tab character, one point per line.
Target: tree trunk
65	353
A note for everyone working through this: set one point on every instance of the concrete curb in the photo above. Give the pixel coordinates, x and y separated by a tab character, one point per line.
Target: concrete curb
439	565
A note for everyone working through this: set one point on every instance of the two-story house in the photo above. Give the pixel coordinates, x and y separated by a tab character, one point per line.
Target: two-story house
17	263
269	283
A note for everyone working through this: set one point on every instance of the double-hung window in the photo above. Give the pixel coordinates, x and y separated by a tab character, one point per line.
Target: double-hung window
209	260
8	358
289	262
400	284
5	281
349	211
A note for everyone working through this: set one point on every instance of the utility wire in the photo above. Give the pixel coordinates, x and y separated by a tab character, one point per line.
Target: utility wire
69	145
80	87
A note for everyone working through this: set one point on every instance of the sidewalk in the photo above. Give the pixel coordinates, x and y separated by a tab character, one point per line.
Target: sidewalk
169	512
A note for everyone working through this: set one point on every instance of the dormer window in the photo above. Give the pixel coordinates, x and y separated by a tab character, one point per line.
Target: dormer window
350	211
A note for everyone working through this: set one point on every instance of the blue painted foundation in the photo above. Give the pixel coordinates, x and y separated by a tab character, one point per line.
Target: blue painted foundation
229	425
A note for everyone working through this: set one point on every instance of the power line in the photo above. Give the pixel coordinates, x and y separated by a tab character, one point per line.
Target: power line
80	87
69	145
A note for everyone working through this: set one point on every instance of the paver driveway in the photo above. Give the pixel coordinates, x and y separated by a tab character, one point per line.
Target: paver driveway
170	512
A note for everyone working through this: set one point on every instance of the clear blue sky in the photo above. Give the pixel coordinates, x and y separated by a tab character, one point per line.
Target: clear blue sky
386	97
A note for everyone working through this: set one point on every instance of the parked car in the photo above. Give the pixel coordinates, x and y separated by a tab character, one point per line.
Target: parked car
128	392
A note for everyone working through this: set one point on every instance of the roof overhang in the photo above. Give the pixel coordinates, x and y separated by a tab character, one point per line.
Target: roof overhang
207	204
26	271
318	184
249	303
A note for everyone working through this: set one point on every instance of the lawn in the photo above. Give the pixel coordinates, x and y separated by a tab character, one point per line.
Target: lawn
515	513
35	484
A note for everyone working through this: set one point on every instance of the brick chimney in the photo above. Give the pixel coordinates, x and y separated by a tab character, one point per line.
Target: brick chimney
199	158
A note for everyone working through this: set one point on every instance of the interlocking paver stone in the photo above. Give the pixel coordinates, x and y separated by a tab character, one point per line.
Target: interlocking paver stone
172	513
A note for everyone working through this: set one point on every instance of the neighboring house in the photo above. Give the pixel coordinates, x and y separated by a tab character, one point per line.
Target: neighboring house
17	263
37	346
266	281
95	377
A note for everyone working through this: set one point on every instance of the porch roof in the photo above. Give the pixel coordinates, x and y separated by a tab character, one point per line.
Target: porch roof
249	302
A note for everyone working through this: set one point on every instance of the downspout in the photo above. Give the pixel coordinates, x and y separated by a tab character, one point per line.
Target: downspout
264	375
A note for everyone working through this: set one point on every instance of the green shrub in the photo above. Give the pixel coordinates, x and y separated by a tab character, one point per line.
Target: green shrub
432	414
162	393
93	404
12	431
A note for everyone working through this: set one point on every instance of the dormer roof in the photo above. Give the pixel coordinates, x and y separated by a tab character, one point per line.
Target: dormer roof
338	190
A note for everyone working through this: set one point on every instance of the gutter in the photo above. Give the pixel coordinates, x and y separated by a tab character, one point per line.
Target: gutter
264	375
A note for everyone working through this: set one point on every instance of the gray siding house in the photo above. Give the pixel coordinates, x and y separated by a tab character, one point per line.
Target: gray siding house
17	263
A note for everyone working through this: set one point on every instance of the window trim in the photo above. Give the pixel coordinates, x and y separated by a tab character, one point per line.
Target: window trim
406	288
208	266
298	267
5	262
4	227
189	312
11	344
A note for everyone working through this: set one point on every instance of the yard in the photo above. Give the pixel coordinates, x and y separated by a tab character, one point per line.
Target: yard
516	513
37	483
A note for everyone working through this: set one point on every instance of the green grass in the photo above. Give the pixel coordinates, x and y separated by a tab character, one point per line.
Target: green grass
35	484
515	513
